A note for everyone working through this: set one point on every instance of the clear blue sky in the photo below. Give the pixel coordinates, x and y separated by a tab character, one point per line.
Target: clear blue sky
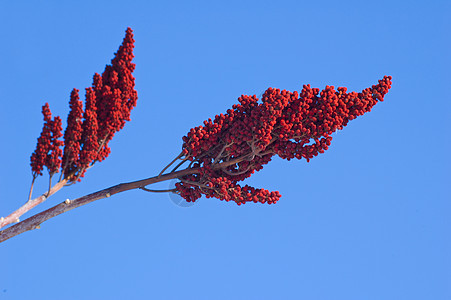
368	219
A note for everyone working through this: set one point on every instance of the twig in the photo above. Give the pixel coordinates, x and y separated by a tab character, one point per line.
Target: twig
50	185
157	191
218	157
170	164
179	164
201	185
31	189
235	173
80	171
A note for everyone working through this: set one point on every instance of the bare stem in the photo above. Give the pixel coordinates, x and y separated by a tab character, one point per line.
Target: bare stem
179	164
170	164
157	191
31	189
62	173
50	185
201	185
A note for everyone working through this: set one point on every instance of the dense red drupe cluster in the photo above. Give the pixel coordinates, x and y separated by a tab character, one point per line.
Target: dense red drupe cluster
48	152
72	135
115	94
107	107
235	145
89	138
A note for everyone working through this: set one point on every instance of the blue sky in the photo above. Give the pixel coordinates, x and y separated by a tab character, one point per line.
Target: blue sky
368	219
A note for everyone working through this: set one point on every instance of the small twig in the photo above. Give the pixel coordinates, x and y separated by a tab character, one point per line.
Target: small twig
235	173
180	163
218	157
80	171
192	162
31	188
62	173
230	162
208	152
252	144
157	191
50	184
195	183
170	164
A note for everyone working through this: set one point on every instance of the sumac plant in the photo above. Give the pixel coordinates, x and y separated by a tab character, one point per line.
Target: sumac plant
215	157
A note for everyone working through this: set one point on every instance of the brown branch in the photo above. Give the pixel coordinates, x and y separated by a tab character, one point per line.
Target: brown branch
14	216
35	221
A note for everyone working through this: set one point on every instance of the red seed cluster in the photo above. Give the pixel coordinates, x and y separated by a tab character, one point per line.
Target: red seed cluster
236	144
53	162
48	152
89	138
107	107
115	94
72	135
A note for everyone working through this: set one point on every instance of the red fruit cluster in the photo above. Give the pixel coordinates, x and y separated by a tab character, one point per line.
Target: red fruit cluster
115	94
72	135
236	144
107	107
89	139
48	152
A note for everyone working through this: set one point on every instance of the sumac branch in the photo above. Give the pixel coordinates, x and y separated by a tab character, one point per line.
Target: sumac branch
215	157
